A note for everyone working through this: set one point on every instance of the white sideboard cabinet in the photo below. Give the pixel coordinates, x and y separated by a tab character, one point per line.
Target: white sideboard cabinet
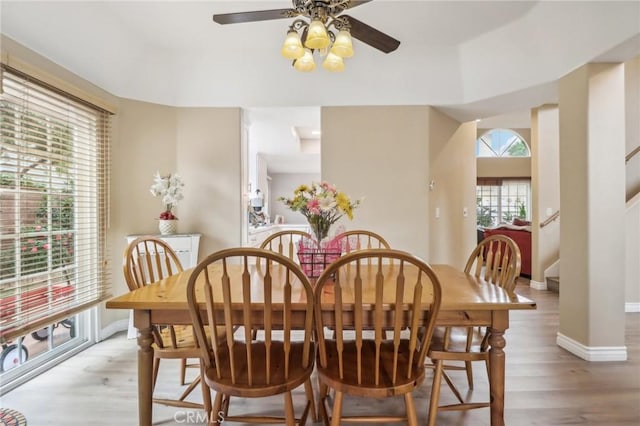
185	245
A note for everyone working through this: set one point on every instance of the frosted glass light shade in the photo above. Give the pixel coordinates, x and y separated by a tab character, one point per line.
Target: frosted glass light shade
333	63
292	47
343	46
317	37
306	63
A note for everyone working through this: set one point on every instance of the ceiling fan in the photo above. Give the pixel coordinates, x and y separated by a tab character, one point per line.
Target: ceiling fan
329	12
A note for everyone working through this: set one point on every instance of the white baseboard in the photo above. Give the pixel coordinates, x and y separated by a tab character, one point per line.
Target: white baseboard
632	307
593	353
113	328
537	285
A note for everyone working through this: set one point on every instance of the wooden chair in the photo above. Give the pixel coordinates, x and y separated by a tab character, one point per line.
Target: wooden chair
148	259
218	296
360	239
285	243
496	260
366	365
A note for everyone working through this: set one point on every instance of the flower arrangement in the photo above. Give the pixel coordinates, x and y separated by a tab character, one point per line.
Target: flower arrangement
170	189
322	204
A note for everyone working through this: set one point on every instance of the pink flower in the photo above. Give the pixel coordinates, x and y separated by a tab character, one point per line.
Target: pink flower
313	205
328	187
24	248
34	250
58	236
46	246
30	241
38	227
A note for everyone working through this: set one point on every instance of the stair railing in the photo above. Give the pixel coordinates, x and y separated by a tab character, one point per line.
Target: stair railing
632	154
550	219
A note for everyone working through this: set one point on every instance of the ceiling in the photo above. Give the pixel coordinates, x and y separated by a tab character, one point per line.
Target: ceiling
471	59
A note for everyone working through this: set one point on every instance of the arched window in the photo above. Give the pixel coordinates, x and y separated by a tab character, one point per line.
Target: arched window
502	199
501	143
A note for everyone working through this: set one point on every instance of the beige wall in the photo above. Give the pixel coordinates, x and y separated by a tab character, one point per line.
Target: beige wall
632	267
545	188
143	142
504	167
632	99
381	153
202	145
452	236
208	158
389	155
632	108
592	203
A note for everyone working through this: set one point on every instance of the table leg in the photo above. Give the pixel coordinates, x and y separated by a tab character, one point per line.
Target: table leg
497	342
142	321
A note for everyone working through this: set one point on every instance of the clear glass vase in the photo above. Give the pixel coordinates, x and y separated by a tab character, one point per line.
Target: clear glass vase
319	229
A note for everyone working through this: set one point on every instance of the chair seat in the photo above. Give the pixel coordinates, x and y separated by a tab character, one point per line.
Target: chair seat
185	342
457	339
367	387
260	384
456	348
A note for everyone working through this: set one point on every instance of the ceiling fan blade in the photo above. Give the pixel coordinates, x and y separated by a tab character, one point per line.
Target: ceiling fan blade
259	15
354	3
371	36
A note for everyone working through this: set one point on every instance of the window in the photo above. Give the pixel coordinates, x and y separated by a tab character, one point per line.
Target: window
501	143
53	204
502	200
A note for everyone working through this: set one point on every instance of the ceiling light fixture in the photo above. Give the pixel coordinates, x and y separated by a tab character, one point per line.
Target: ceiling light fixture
304	39
319	29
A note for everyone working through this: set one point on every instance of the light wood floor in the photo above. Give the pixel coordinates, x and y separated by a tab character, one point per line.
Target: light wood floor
545	384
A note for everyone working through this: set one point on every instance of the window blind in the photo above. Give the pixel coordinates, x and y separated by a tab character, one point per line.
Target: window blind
54	165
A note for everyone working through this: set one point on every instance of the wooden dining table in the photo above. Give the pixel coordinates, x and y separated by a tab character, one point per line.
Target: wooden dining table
466	301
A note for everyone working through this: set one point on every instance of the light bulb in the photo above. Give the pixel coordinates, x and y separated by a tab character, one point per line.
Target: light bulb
292	47
317	37
343	46
333	63
306	63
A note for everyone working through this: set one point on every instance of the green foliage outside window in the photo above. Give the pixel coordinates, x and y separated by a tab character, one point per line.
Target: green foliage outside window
46	243
484	214
518	149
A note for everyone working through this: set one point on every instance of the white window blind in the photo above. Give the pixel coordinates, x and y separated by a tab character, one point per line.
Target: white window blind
54	163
